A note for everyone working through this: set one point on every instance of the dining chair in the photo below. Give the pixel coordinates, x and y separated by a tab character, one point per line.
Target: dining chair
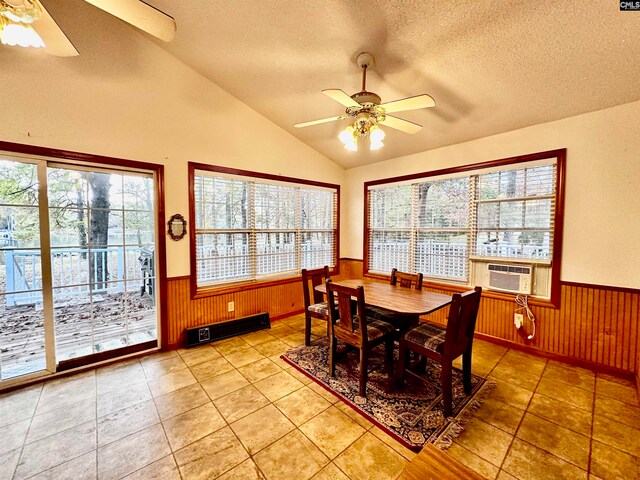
407	280
314	304
445	344
356	330
402	279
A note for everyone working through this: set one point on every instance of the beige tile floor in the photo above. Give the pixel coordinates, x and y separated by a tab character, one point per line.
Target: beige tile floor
234	410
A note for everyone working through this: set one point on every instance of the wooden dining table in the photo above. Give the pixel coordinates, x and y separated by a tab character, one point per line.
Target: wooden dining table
407	303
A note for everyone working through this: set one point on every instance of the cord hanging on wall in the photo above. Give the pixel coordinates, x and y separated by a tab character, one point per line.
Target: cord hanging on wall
525	311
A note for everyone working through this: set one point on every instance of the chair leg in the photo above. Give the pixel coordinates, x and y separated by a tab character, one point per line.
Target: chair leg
403	353
307	329
363	371
466	371
389	361
445	380
332	356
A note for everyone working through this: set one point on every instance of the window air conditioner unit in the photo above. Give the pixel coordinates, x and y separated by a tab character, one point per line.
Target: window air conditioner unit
510	278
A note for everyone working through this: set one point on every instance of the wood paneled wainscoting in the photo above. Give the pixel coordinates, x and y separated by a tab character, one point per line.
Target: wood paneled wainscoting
183	312
595	326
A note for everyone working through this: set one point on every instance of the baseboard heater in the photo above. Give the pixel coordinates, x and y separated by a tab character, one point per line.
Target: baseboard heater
231	328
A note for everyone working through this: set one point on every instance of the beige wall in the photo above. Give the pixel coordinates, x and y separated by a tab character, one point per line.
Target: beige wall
602	212
135	101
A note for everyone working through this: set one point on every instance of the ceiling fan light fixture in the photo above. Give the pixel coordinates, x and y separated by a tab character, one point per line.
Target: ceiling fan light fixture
376	145
349	138
376	134
352	147
27	12
19	34
346	135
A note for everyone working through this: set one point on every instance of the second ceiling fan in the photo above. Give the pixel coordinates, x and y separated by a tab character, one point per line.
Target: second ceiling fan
368	112
27	23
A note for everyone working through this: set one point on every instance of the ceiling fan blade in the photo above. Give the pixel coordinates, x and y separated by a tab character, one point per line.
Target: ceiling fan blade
399	124
409	103
140	15
55	41
341	97
316	122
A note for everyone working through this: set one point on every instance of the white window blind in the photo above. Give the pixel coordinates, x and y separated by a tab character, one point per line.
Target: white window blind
443	235
249	228
390	223
515	213
435	226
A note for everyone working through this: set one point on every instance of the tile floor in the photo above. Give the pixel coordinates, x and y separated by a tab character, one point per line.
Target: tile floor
234	410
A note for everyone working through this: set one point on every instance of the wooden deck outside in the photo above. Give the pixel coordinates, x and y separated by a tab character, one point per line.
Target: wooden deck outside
81	329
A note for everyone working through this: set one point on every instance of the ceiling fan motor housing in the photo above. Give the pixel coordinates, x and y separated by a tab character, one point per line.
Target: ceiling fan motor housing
368	101
367	97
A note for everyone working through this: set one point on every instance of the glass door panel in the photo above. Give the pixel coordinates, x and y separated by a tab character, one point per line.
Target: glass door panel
77	264
22	332
103	265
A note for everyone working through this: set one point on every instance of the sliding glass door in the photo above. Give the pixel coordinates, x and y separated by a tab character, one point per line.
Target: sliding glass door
78	265
102	234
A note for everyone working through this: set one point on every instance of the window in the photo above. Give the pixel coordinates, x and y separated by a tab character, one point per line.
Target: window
515	210
449	225
251	226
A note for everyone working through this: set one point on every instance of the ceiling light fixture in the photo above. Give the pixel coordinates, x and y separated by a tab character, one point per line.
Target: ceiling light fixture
367	115
365	126
15	24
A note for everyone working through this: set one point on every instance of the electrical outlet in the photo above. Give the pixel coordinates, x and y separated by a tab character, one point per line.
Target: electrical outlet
231	307
518	319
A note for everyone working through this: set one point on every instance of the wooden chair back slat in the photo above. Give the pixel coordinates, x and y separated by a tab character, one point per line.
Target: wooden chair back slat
341	315
406	280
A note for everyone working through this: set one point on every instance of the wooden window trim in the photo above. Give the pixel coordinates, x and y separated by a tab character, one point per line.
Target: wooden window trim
213	290
556	258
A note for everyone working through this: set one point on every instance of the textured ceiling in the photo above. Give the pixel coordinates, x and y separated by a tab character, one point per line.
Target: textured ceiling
491	66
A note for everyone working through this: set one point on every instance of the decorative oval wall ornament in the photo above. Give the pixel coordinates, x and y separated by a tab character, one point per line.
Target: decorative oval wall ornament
177	227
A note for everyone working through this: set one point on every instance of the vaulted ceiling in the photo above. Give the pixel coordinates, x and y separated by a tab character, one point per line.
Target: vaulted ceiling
491	66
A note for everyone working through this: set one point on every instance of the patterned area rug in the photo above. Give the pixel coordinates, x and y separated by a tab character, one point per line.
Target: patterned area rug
414	415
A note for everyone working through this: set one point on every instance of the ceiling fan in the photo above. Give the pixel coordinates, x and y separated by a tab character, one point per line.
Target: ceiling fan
367	111
28	24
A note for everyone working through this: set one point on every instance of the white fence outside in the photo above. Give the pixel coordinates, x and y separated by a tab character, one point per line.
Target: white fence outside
441	259
513	250
70	271
233	262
